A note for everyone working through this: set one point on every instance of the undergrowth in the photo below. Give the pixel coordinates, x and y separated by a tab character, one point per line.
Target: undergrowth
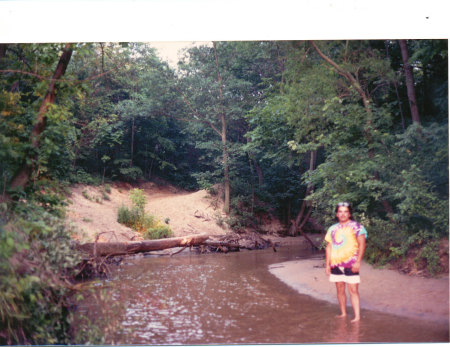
37	259
137	219
38	266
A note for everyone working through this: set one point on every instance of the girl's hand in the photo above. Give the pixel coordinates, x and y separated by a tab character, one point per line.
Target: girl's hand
356	266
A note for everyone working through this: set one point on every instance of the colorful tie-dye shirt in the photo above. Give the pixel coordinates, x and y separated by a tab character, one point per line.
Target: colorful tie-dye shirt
344	243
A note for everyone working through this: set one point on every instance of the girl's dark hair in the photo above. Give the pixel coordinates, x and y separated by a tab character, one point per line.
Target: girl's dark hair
344	204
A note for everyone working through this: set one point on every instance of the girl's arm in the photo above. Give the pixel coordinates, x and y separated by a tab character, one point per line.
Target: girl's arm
328	259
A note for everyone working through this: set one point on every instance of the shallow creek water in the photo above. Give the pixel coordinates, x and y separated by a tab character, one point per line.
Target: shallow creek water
230	299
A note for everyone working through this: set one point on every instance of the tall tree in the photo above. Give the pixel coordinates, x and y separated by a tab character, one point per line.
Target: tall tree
22	177
212	99
223	121
409	78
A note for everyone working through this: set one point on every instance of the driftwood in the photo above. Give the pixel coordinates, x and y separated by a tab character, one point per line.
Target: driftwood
221	244
249	240
118	248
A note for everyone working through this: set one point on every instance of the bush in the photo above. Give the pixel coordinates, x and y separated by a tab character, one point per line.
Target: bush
382	241
146	222
82	177
136	218
240	217
138	199
430	253
158	232
86	195
129	217
123	172
399	242
220	220
36	259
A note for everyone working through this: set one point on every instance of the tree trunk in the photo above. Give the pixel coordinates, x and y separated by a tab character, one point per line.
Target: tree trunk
257	167
132	141
400	106
151	169
115	248
300	221
22	177
252	184
302	232
409	78
259	172
226	206
102	48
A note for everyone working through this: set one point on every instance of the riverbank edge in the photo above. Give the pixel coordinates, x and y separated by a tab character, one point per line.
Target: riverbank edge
384	290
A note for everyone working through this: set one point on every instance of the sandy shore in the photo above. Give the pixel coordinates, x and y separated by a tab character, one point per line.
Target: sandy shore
384	290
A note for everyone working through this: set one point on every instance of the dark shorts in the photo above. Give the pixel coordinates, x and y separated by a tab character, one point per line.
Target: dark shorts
344	274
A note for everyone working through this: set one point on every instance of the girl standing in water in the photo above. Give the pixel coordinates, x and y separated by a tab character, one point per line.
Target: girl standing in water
346	242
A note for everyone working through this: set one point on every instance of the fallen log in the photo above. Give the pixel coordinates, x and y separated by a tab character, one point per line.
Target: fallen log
115	248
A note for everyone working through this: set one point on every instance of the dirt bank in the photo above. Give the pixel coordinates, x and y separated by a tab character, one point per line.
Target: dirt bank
90	214
382	290
93	212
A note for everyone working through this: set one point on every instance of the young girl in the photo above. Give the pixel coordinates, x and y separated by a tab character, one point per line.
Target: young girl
346	242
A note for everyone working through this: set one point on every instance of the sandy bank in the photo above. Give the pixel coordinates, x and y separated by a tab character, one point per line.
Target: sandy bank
185	212
382	290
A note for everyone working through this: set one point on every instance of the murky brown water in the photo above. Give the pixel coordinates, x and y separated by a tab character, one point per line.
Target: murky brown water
231	299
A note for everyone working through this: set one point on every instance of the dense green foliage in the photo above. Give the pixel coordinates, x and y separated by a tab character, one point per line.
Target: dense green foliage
36	259
137	219
293	127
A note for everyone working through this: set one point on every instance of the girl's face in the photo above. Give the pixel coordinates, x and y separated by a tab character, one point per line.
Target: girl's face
343	214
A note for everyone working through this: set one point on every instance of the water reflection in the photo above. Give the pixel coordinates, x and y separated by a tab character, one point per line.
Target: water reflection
345	331
233	299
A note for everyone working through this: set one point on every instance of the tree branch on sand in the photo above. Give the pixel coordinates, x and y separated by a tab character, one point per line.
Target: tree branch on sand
121	248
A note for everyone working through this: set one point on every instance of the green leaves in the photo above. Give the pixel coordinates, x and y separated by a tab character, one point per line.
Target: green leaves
36	257
136	217
138	199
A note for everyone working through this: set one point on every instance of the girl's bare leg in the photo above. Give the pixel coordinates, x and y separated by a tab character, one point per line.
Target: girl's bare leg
342	298
354	298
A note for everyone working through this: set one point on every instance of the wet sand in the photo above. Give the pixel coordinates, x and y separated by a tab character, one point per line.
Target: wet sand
384	290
